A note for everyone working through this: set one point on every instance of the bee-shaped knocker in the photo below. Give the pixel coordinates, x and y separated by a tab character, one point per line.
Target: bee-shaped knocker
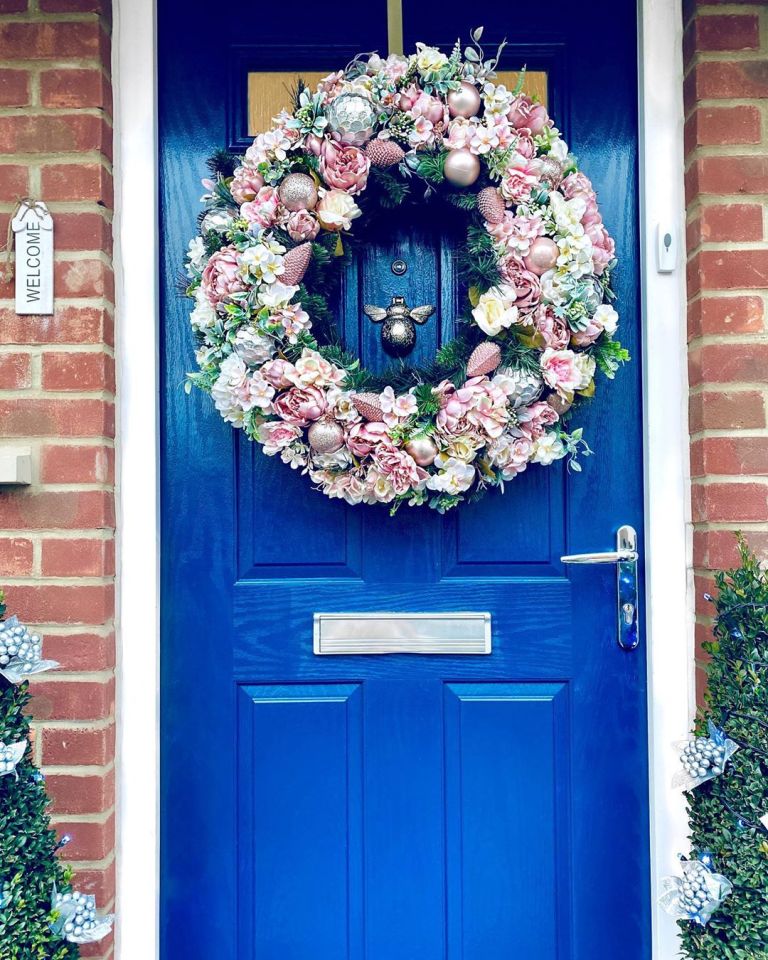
398	335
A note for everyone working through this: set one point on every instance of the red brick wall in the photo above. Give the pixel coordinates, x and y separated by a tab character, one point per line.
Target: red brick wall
726	143
57	396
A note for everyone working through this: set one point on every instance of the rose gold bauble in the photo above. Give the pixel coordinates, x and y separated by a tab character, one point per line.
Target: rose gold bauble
543	256
464	102
325	436
423	450
462	168
298	192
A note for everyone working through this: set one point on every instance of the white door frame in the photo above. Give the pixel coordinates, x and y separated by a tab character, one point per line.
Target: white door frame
669	593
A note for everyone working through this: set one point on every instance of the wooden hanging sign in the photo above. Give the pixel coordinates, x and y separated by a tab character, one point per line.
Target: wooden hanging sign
32	226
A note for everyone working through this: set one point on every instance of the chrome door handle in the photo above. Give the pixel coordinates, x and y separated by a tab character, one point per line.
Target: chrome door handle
625	556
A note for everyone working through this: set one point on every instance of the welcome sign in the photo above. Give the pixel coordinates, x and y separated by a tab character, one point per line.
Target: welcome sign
33	228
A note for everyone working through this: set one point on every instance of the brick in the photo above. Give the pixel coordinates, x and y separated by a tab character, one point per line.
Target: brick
713	126
77	464
13	6
730	270
78	181
727	80
100	882
14	180
84	278
102	7
83	231
57	418
51	40
724	502
69	324
15	556
73	88
727	32
72	700
719	315
735	410
67	133
63	745
58	510
735	456
729	175
78	558
717	549
91	793
51	603
15	371
81	651
728	362
735	222
14	88
90	841
78	371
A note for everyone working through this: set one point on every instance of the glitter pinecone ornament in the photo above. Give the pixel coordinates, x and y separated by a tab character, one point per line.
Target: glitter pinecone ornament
368	406
296	263
484	359
491	205
384	153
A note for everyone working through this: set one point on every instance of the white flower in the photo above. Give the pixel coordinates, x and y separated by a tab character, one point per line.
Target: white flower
607	318
380	487
559	149
295	456
550	288
454	476
396	408
421	133
567	214
196	257
203	316
313	370
575	254
276	294
496	310
336	210
340	402
253	347
261	262
216	220
497	100
547	449
484	139
585	364
429	59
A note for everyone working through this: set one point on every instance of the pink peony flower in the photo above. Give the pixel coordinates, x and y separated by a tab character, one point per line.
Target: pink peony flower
263	208
221	276
519	111
510	454
246	183
344	168
428	107
603	247
554	331
277	434
576	185
526	284
399	467
519	179
534	420
300	406
277	373
302	225
363	438
560	371
525	145
408	96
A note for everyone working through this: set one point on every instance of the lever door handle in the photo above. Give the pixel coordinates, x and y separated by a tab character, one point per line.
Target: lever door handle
625	556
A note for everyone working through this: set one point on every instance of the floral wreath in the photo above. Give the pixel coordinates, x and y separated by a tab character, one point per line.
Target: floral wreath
536	263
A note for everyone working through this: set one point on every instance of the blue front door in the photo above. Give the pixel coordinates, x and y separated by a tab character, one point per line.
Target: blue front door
397	807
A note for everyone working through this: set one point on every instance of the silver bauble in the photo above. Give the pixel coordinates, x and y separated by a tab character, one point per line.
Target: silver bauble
325	436
298	192
461	168
526	386
464	102
351	119
423	450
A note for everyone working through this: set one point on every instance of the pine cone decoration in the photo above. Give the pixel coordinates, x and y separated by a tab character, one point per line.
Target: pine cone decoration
368	406
484	359
296	263
384	153
490	205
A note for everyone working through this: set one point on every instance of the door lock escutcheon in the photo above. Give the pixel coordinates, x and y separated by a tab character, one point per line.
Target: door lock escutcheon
625	556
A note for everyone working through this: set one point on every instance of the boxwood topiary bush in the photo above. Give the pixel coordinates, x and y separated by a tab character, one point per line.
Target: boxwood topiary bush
725	813
29	866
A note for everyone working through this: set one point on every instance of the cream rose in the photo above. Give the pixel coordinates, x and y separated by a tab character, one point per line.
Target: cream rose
337	210
429	59
496	310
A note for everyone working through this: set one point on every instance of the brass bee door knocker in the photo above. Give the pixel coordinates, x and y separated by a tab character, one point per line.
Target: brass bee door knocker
398	335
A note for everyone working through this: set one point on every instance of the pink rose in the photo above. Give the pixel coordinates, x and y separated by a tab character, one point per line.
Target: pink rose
409	96
332	85
525	145
603	247
527	285
576	185
560	371
364	437
429	107
276	434
553	330
263	208
277	373
344	168
314	144
302	225
535	419
519	179
510	454
587	336
300	405
221	277
245	184
399	467
519	110
538	119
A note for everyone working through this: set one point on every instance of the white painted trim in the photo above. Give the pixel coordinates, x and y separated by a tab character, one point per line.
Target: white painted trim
670	616
138	707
